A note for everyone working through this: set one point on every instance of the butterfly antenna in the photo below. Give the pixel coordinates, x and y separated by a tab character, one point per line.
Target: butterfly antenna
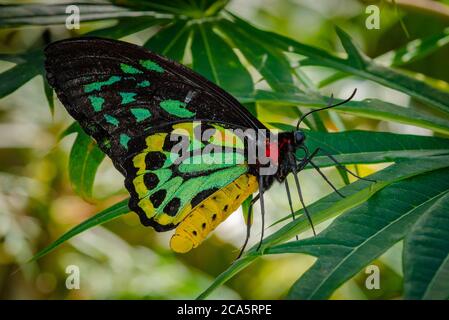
329	105
289	197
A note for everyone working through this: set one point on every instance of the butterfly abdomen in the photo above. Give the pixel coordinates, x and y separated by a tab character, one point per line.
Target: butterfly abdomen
205	217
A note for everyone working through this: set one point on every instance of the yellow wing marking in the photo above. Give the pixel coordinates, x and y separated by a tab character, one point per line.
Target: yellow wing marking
155	142
205	217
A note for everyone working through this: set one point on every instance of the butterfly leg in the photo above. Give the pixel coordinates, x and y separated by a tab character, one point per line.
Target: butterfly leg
298	187
308	159
326	179
341	166
262	210
248	225
290	202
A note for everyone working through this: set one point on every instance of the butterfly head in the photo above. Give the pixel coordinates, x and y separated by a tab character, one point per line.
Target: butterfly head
298	138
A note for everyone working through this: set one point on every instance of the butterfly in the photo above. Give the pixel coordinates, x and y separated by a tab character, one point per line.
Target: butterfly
133	102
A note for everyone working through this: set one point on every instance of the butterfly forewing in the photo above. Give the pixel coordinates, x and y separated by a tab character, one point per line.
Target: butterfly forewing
118	91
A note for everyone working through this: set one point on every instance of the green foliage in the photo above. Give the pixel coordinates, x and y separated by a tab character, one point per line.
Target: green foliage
409	199
368	108
350	243
106	215
425	254
85	158
28	65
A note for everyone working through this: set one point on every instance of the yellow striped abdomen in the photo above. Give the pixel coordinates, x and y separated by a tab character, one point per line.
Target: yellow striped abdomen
206	216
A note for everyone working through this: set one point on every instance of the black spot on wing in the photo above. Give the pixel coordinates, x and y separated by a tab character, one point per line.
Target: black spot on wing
154	160
151	180
172	207
158	197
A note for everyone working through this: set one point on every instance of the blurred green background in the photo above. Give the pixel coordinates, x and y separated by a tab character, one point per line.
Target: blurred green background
125	260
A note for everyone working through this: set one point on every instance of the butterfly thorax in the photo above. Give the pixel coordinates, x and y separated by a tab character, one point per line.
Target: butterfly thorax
282	155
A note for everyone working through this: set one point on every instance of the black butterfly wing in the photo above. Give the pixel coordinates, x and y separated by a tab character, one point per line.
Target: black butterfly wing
119	91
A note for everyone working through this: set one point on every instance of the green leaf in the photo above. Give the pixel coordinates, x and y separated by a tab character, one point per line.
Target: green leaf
170	41
29	65
332	78
356	193
73	128
269	61
85	158
192	9
415	50
127	26
214	58
426	254
49	14
369	108
49	95
106	215
245	208
355	56
17	76
370	70
361	235
415	88
356	146
14	58
353	147
332	206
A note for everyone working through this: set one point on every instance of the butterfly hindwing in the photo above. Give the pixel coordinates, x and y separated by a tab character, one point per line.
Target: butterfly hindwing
166	182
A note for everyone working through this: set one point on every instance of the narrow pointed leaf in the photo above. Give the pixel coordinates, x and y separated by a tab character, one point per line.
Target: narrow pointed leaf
171	41
15	77
193	9
369	108
127	26
268	60
104	216
414	50
426	254
85	158
73	128
362	234
352	147
355	56
215	59
49	95
50	14
370	71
